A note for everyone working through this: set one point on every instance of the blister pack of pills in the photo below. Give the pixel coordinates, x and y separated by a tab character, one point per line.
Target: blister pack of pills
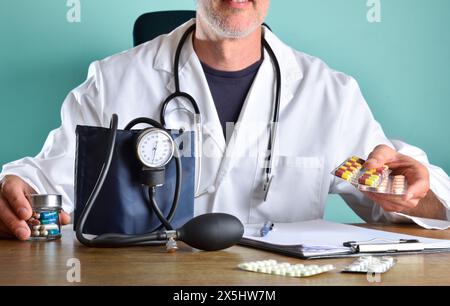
370	264
284	269
373	180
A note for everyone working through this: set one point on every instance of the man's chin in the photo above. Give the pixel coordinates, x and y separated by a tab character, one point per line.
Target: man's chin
235	30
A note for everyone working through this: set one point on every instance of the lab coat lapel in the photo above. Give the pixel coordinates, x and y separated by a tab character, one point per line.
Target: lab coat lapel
251	133
193	81
252	126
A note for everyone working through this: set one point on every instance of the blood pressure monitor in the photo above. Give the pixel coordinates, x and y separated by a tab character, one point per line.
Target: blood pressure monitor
154	147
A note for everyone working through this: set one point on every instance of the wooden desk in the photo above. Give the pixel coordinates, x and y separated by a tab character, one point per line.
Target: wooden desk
37	263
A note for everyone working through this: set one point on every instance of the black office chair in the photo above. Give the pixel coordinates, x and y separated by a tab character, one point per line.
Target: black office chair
151	25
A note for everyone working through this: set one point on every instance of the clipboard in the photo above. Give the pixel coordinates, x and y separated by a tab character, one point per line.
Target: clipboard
385	246
296	251
316	239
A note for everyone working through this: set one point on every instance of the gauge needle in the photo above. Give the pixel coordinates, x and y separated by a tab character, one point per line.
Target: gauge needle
154	151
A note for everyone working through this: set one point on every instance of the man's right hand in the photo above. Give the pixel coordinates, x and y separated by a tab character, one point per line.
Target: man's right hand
14	208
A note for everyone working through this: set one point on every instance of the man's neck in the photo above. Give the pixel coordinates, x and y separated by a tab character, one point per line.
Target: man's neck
224	53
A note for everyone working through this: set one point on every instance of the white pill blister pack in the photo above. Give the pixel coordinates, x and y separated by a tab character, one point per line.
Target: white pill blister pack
370	264
284	269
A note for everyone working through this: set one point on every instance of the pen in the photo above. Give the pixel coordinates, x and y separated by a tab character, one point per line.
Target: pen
266	228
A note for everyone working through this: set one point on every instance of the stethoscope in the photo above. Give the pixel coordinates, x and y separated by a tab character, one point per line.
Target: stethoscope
268	161
213	231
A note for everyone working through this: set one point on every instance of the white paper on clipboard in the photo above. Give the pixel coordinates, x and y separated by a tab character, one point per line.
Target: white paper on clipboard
320	237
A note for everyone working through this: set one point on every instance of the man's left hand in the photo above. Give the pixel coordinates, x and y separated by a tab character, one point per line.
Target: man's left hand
415	173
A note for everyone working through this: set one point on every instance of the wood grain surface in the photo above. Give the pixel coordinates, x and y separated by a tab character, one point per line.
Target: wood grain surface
45	263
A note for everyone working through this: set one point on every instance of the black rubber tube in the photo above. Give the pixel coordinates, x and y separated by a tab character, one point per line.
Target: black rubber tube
100	181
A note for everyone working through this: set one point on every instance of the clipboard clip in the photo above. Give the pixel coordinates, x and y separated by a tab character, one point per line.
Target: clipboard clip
381	245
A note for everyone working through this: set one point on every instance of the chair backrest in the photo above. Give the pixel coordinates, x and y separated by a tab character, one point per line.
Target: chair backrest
151	25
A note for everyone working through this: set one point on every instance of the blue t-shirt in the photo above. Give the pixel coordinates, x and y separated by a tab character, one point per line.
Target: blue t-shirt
229	90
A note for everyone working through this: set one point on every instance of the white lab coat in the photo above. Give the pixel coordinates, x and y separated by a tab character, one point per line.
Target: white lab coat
323	120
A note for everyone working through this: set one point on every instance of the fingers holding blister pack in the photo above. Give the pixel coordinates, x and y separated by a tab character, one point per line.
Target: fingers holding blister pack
379	180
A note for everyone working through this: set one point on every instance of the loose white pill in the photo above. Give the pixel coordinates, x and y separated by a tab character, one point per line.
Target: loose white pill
329	267
290	273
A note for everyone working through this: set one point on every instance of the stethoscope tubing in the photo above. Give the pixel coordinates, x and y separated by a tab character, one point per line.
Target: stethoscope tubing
273	127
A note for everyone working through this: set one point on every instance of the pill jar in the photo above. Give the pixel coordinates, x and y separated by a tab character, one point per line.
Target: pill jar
44	222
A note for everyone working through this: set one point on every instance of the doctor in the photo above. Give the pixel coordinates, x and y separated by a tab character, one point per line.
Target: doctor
323	120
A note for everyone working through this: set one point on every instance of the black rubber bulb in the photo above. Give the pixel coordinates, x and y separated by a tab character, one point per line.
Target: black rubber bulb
211	232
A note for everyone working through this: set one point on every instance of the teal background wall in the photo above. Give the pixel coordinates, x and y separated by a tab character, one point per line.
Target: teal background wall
401	63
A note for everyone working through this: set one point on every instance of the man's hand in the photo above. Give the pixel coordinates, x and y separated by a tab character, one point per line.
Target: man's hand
15	208
416	175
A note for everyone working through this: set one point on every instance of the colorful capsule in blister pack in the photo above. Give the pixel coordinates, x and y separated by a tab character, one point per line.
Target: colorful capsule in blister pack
373	180
396	185
352	171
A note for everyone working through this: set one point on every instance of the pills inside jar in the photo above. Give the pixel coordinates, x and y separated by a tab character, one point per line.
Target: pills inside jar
44	222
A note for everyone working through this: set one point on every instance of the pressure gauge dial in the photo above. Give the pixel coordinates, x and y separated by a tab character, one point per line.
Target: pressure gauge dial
155	147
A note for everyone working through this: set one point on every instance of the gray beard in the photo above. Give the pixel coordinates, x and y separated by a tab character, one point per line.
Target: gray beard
220	28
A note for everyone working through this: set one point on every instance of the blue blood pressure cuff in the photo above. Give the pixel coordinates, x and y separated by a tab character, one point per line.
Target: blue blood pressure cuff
122	205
